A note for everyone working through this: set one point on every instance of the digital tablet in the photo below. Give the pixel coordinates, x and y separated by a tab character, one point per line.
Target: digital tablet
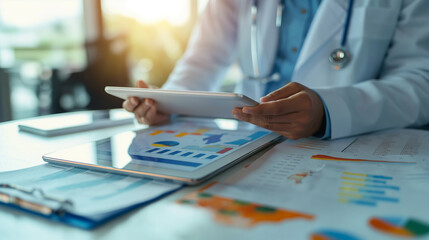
189	103
186	150
66	123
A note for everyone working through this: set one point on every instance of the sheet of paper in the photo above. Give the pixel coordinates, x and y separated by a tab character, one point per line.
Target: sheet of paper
338	145
91	192
337	189
407	142
410	142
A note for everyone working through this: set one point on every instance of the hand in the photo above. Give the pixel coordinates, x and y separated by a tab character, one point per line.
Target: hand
145	111
293	111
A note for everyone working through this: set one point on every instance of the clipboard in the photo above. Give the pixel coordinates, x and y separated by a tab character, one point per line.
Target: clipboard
60	214
39	200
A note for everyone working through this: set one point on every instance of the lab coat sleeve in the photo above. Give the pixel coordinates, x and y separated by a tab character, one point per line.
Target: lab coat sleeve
400	96
211	49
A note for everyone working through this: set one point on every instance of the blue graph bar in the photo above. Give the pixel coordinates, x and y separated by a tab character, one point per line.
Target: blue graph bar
371	191
163	151
199	155
382	186
174	153
211	157
375	181
186	154
152	150
363	202
380	198
163	160
379	177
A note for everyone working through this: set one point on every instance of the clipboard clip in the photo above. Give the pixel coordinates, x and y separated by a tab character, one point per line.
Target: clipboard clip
64	205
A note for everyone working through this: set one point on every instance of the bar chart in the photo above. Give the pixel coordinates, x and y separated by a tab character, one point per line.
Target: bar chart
186	147
367	190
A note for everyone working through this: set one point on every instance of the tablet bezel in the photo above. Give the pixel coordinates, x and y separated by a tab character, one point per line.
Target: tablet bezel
63	157
179	101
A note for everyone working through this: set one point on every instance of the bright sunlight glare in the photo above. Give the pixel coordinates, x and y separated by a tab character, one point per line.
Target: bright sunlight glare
176	12
29	13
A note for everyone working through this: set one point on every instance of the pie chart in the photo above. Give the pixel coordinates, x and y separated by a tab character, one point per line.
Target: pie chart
165	144
401	227
332	235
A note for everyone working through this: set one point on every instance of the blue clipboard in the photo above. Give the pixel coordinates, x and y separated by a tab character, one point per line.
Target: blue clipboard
79	221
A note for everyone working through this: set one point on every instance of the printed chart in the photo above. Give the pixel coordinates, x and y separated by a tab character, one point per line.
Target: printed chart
328	234
187	147
238	213
367	189
401	227
331	158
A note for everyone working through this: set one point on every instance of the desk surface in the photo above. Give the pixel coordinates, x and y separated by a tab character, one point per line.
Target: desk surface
163	219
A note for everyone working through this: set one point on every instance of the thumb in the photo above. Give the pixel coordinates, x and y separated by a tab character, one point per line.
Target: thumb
284	92
142	84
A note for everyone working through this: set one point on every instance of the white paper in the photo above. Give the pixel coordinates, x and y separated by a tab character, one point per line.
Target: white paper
342	195
409	142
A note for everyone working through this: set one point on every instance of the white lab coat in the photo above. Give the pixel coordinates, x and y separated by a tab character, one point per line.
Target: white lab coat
385	85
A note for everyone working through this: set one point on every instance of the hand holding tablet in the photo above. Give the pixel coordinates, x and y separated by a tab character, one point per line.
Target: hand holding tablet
189	103
145	110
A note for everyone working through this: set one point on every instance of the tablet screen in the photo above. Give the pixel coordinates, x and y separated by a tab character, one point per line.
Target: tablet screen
182	145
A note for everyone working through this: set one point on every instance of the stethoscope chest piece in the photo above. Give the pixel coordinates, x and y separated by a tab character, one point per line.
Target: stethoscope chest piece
339	58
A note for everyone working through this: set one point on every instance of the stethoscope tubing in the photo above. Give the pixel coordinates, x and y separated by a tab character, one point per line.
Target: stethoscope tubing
254	51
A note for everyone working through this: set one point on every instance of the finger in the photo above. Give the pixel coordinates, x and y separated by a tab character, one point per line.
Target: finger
271	126
150	116
278	107
130	104
153	117
300	101
139	119
141	110
284	92
295	117
142	84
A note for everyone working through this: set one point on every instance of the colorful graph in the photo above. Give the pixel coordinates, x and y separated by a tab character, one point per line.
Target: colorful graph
332	235
366	189
209	148
249	138
330	158
297	178
239	213
212	138
186	146
198	132
156	132
180	153
311	144
401	227
165	144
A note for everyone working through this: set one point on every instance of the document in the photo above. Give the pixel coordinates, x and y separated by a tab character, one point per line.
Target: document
341	187
407	142
411	142
91	192
295	178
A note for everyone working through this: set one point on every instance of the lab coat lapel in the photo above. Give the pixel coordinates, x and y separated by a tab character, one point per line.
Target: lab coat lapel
327	23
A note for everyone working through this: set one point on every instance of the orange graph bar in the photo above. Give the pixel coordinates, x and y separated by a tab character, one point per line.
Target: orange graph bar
330	158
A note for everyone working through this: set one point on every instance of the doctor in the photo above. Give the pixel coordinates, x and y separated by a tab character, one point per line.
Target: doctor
331	68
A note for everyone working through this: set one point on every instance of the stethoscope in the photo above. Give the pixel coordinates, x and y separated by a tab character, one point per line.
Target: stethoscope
339	58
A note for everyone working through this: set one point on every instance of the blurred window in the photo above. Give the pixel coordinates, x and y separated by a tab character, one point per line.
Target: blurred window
158	33
36	37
